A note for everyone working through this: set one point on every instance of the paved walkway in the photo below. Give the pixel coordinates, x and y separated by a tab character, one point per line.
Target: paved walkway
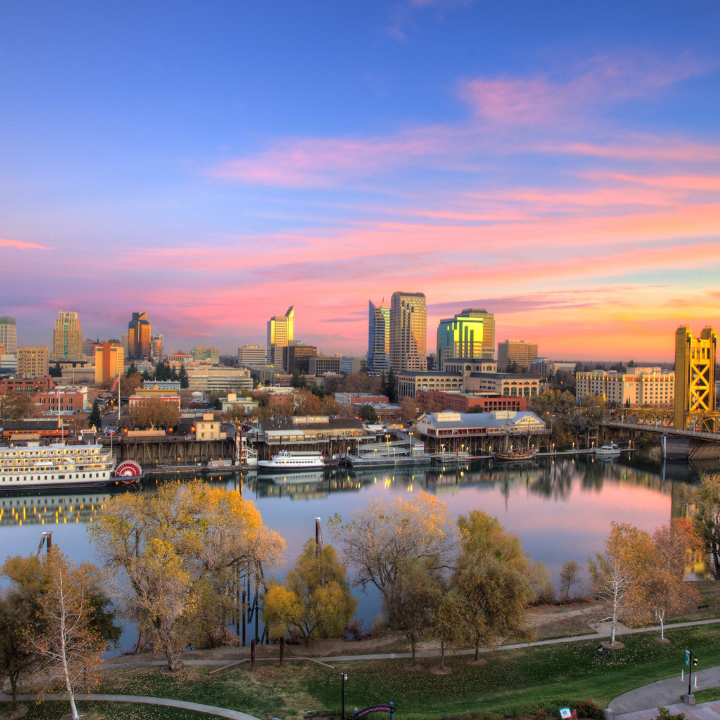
704	711
603	631
664	692
197	707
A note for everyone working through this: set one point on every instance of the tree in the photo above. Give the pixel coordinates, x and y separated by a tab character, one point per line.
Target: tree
392	391
408	597
360	382
446	619
615	574
408	409
297	379
315	599
131	383
662	590
382	537
568	577
182	376
706	500
329	406
66	643
17	613
594	409
17	406
306	402
132	369
153	412
368	414
94	420
167	548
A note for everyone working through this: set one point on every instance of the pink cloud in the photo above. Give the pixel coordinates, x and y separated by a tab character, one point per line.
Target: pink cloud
20	245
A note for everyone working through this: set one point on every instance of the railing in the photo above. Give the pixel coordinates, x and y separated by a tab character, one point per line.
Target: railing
662	429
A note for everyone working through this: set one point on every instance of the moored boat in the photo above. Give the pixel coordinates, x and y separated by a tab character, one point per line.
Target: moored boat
608	450
516	455
285	460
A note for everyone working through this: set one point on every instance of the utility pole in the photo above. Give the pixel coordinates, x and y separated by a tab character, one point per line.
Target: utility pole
343	678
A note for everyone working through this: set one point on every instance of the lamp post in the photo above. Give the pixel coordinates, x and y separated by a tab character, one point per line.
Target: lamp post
343	678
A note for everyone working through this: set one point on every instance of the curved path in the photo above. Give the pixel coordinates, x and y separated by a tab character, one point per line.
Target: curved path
197	707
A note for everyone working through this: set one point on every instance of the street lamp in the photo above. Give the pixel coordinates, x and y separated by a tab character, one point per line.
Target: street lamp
343	677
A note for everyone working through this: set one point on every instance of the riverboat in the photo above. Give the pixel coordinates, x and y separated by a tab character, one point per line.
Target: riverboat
285	460
406	450
36	466
608	450
516	455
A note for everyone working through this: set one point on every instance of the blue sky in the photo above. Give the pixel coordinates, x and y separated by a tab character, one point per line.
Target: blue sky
213	163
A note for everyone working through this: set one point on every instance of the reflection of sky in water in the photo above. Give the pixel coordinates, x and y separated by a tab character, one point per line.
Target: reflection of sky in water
561	510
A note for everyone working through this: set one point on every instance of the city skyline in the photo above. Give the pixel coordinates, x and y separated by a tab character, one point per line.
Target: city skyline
557	165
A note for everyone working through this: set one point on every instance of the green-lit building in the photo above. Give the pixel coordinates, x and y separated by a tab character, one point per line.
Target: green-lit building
469	335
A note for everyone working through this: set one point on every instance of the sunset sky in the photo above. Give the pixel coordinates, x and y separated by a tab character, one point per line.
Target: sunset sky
212	163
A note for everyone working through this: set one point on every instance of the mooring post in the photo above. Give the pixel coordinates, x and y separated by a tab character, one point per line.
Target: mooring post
252	654
318	537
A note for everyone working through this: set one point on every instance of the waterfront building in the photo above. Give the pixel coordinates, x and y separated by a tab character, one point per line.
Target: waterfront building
8	335
408	332
638	386
139	336
469	335
280	333
323	365
296	356
519	351
252	355
695	366
506	384
208	428
33	362
109	361
156	345
463	402
410	381
206	354
67	337
378	356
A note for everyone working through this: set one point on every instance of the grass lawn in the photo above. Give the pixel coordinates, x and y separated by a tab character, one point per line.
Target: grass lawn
710	595
511	680
54	710
702	696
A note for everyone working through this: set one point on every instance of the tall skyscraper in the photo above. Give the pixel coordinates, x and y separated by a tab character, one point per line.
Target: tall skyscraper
378	357
8	335
139	336
67	337
156	345
32	362
109	361
519	351
470	334
280	333
408	332
695	359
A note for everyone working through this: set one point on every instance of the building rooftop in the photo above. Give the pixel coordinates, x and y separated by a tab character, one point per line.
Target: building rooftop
431	373
499	419
504	376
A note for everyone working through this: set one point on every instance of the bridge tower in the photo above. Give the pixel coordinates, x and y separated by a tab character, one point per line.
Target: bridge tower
695	359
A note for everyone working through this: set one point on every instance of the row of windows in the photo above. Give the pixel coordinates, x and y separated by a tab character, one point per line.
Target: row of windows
53	477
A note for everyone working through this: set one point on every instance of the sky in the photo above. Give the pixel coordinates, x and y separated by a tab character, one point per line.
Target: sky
213	163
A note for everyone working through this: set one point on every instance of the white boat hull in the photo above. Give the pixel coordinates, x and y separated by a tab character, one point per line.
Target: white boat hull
290	465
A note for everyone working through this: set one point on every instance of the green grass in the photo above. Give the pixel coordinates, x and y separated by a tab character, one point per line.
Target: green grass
53	710
703	696
510	682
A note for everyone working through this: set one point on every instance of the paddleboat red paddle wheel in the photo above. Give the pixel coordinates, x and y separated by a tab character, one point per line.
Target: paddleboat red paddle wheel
128	471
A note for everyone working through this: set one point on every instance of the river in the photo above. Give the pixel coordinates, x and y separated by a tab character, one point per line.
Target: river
560	508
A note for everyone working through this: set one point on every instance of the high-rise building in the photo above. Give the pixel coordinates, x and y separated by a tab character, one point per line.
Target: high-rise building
88	347
519	351
253	355
695	359
408	332
202	353
378	357
125	342
156	345
469	335
8	335
280	333
67	337
109	361
33	362
296	356
139	335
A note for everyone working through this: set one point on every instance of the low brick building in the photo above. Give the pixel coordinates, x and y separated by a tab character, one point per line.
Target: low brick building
463	402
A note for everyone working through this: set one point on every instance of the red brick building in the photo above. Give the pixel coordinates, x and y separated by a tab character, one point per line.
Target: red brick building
29	385
467	402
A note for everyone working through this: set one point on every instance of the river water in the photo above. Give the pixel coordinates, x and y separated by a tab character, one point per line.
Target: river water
560	508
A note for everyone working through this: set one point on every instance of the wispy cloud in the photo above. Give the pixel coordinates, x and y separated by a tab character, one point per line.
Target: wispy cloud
20	245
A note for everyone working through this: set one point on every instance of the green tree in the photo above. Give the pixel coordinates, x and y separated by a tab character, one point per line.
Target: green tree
94	420
174	374
183	377
392	391
132	369
447	624
297	379
315	600
568	577
368	414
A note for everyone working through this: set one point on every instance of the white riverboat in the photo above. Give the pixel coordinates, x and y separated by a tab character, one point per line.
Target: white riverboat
36	466
608	450
285	460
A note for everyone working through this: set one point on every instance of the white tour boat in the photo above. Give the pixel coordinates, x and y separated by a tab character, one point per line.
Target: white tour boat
36	466
285	460
608	450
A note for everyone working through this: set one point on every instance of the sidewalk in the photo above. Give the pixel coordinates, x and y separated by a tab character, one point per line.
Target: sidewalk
664	692
704	711
197	707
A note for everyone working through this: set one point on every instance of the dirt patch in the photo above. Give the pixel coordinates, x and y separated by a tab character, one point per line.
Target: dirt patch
441	671
414	668
481	661
613	646
662	640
